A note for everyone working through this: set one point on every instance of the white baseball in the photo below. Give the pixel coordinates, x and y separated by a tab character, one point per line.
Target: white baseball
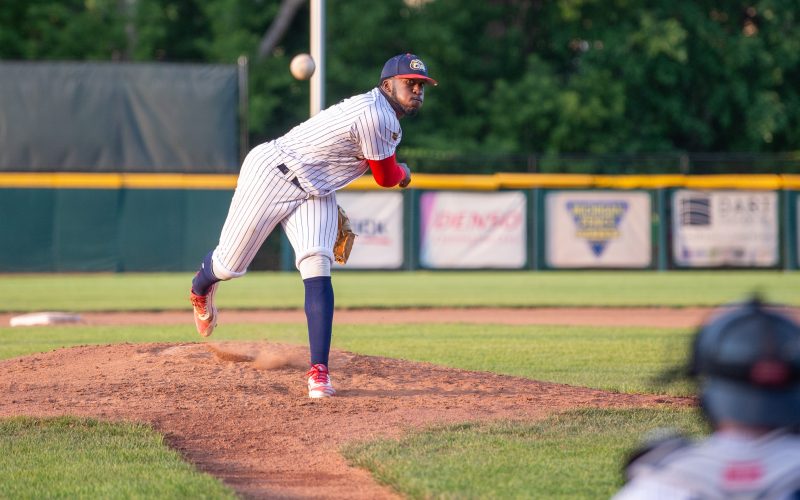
302	66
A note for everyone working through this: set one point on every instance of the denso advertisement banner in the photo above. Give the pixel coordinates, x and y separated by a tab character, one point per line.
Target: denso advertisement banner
587	229
473	230
725	228
377	219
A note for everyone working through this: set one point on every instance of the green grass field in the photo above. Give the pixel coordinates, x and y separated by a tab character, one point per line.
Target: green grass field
572	455
575	454
82	458
151	292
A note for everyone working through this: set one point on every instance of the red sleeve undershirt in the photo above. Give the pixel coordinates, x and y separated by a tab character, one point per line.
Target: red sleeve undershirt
387	172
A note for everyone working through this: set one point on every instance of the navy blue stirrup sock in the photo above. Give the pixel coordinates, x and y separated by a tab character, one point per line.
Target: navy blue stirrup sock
204	278
319	314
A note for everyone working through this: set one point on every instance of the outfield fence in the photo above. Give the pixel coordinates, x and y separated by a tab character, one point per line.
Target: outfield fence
119	222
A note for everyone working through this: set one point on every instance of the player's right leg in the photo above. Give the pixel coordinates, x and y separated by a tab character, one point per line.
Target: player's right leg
311	229
263	198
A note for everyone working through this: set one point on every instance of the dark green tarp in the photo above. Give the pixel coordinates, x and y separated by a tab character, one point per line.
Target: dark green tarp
118	117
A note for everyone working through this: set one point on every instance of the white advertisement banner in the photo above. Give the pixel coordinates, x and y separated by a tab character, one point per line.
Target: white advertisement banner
377	219
473	230
725	228
598	229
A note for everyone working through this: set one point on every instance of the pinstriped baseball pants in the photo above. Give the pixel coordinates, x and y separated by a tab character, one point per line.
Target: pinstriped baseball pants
264	197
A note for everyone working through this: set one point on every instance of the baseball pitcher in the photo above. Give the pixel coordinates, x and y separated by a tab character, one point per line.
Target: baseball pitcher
293	180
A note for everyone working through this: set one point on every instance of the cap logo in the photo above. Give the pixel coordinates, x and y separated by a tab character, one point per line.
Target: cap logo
417	65
769	372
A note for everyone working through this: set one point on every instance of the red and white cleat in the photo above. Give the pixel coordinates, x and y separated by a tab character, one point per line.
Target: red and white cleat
205	313
319	382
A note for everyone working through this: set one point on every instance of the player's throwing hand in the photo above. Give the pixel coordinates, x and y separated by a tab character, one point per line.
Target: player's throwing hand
407	179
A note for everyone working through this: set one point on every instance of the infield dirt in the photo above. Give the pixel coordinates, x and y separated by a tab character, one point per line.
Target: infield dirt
239	410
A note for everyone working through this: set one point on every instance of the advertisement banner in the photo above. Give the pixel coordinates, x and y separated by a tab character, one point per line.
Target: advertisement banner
473	230
377	219
598	229
725	228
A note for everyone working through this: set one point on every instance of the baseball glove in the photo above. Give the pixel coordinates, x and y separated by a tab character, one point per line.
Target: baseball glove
344	239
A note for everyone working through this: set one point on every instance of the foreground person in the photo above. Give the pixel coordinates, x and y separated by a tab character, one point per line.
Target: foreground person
748	364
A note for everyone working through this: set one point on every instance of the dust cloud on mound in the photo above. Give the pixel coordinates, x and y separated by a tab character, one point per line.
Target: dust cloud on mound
269	357
240	411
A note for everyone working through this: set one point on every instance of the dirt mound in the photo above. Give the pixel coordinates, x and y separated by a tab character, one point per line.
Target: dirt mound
240	410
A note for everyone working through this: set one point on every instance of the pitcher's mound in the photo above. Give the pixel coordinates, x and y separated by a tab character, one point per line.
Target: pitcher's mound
240	410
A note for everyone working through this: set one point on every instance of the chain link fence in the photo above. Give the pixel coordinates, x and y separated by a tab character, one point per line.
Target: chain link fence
430	161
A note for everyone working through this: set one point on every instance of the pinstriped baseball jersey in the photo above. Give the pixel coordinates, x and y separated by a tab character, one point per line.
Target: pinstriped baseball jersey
292	180
330	150
725	466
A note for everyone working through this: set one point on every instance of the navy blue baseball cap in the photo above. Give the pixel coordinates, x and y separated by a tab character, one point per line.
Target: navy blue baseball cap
406	66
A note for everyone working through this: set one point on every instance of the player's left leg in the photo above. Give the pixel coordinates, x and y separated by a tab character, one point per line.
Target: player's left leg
263	197
311	229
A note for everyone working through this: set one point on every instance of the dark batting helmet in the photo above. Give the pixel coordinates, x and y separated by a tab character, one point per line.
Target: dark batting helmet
747	360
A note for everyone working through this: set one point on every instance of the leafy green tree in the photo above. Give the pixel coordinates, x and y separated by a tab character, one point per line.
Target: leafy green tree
67	29
550	77
169	30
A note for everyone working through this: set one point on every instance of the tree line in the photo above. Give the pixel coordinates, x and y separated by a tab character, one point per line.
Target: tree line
517	77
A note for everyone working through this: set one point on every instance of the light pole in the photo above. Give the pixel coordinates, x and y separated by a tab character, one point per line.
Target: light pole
318	54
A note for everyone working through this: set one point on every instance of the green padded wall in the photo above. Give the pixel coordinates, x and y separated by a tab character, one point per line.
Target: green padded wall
108	229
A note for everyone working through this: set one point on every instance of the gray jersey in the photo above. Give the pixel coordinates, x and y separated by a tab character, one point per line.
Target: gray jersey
331	149
725	466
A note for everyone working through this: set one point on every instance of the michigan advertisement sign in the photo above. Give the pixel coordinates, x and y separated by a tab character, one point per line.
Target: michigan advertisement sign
598	229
